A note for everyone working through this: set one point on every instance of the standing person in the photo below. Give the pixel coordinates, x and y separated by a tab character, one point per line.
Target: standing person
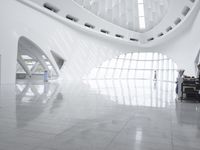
155	79
46	76
155	75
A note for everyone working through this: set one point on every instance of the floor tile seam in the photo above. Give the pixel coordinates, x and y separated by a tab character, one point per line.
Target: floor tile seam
56	135
117	134
171	126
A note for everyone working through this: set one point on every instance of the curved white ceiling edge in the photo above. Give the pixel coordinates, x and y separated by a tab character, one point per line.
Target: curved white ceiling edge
181	27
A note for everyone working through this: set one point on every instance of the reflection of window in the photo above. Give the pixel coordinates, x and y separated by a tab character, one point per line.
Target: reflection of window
136	66
135	92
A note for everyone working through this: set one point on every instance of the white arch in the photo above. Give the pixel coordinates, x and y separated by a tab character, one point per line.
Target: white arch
26	47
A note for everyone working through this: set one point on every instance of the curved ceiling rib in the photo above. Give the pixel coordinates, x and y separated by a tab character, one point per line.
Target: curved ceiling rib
129	13
175	16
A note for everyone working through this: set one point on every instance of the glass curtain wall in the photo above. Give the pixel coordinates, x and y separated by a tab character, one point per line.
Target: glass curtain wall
145	66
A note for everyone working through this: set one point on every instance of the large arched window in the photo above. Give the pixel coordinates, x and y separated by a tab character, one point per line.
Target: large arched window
146	66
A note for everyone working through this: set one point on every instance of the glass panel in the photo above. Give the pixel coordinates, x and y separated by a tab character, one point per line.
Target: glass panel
135	56
26	57
142	22
131	74
112	63
142	56
137	65
133	64
148	65
39	69
141	10
128	56
117	73
126	64
147	74
109	73
149	56
155	56
140	1
119	63
124	74
139	74
140	65
155	65
101	73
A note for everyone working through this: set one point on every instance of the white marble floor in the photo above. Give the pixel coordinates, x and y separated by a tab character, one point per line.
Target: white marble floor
97	115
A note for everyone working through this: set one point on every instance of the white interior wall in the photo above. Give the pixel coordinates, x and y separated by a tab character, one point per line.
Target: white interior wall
184	47
82	50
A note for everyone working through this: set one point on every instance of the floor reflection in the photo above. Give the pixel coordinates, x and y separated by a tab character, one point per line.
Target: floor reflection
188	113
135	92
32	98
97	114
42	93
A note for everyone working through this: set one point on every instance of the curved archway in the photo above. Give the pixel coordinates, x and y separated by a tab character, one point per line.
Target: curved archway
32	61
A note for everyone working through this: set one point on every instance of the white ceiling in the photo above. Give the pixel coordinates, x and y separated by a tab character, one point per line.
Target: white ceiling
125	12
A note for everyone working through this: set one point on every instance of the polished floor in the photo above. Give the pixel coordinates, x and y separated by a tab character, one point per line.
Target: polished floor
97	115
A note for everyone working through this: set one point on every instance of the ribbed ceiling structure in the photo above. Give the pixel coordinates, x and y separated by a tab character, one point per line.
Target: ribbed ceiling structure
135	15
